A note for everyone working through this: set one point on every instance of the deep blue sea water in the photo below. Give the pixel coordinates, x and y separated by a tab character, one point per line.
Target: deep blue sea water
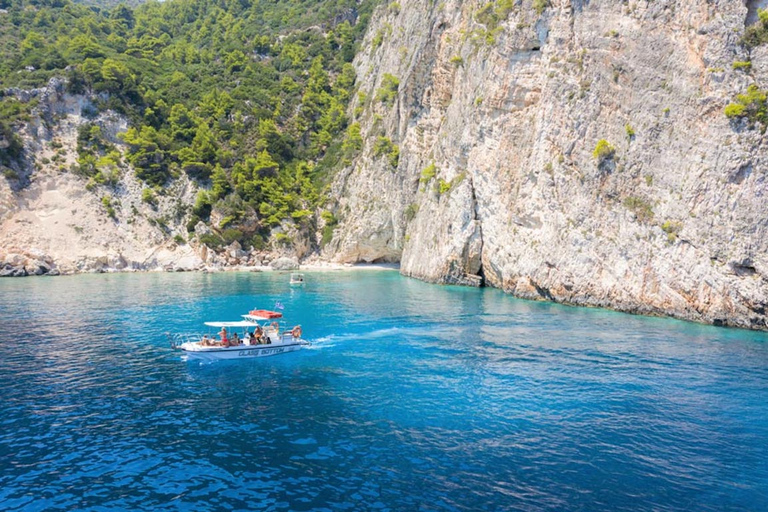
413	397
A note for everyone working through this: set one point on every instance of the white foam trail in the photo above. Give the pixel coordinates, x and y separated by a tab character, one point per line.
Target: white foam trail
334	339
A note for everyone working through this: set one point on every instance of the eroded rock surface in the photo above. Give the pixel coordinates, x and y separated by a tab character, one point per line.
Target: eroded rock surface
496	123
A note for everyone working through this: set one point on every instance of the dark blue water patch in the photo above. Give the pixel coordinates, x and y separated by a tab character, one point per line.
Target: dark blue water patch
412	397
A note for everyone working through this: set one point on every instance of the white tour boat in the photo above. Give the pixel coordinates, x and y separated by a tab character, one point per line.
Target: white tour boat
262	335
297	279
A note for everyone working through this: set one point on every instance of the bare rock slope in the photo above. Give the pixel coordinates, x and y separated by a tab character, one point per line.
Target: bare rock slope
51	221
485	163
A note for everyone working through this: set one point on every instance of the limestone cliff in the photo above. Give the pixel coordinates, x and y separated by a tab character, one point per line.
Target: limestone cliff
52	221
497	112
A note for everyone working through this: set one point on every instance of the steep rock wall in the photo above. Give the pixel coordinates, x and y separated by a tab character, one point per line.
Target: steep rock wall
497	119
51	220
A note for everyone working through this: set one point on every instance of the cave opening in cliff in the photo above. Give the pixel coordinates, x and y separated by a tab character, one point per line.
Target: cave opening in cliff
481	275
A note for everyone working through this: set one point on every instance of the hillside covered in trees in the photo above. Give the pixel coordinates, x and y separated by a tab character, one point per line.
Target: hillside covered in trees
247	97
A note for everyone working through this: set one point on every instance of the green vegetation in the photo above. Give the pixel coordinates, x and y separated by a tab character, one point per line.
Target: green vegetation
148	196
443	187
493	13
757	34
541	5
12	112
744	65
248	98
411	211
428	173
388	90
751	106
385	147
106	201
353	142
671	229
97	159
640	207
630	131
604	150
378	39
330	224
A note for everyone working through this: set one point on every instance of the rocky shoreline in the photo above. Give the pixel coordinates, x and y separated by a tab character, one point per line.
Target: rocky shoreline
35	263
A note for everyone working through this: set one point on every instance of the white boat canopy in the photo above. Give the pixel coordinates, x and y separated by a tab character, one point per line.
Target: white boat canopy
230	324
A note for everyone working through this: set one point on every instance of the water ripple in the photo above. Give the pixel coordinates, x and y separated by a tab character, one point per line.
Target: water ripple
445	399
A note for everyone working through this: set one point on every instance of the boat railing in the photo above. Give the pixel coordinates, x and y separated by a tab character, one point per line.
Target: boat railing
179	338
279	336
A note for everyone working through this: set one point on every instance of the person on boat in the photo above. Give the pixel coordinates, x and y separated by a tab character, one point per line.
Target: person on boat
223	336
235	341
258	334
206	341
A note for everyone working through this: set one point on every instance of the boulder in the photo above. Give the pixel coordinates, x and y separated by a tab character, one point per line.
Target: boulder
202	229
10	271
235	250
285	264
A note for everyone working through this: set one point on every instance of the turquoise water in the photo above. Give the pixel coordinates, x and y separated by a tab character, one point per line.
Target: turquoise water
412	397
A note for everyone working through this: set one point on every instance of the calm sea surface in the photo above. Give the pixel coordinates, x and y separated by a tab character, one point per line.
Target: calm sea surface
413	397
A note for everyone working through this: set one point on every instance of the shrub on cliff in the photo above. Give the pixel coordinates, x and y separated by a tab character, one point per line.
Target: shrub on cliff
493	13
148	196
743	65
353	141
385	147
540	6
751	105
330	224
642	209
109	205
604	150
428	173
11	147
757	34
388	90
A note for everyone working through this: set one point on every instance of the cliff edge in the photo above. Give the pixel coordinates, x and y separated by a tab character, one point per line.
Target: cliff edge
564	150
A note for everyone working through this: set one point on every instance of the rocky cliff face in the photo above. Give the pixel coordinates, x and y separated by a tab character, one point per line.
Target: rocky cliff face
52	222
498	115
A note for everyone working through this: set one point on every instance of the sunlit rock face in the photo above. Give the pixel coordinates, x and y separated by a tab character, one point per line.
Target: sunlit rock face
501	178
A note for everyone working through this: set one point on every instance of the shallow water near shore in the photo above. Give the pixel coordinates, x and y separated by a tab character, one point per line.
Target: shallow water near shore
411	397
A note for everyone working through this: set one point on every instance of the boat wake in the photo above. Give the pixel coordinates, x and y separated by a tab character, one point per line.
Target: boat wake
332	340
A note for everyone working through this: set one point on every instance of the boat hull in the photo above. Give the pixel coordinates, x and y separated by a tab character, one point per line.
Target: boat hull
242	352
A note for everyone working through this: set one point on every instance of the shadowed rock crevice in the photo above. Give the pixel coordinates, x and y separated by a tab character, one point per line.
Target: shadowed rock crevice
752	8
475	250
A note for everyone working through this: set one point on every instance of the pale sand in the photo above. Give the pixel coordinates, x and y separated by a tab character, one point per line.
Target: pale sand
313	267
